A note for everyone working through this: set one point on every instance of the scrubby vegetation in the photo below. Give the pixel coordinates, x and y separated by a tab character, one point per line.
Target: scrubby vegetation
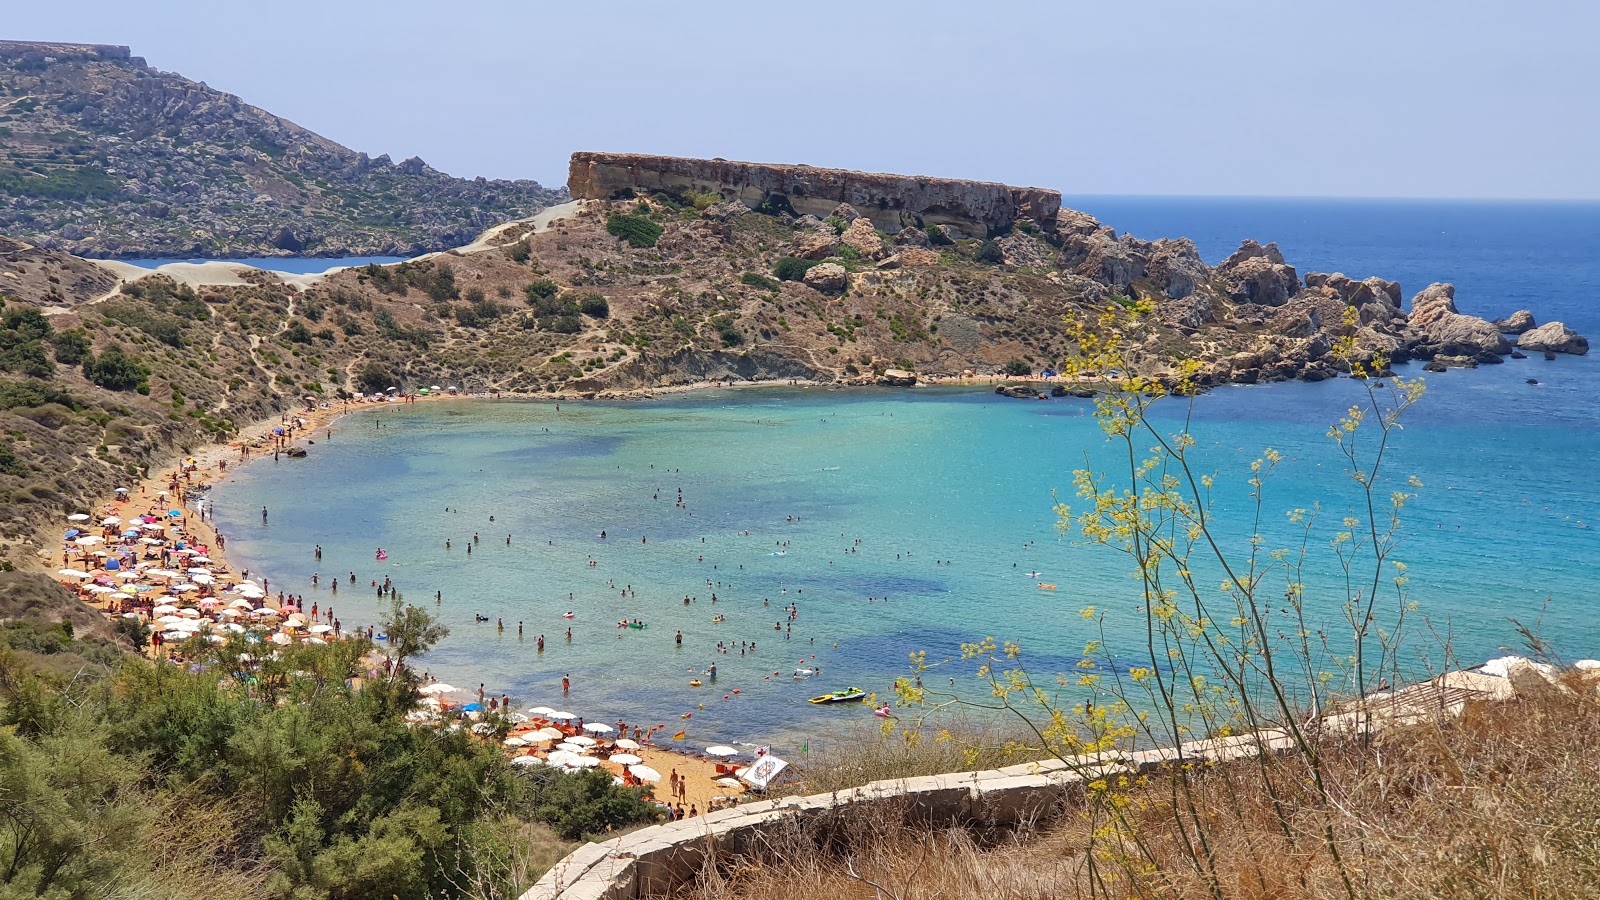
242	775
637	230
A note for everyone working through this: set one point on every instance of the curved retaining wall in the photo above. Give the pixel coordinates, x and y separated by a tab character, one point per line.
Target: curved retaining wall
655	860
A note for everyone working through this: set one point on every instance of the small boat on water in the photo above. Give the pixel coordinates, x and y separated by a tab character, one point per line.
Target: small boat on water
804	673
847	695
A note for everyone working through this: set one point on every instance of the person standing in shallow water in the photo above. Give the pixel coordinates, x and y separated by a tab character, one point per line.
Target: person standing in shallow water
263	515
566	684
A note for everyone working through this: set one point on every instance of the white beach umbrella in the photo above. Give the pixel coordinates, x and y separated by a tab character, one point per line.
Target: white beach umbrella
527	761
729	782
438	687
644	773
540	710
560	757
582	741
165	609
626	759
170	620
548	734
627	744
585	762
721	750
77	517
89	540
598	728
73	573
515	742
563	714
574	749
176	636
320	629
111	520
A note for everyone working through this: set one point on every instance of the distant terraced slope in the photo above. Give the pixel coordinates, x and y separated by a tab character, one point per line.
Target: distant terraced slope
101	155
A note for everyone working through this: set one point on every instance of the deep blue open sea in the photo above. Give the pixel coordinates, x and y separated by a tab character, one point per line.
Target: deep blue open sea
948	493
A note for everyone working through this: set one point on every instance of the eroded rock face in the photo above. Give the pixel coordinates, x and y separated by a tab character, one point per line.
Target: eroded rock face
1440	330
890	201
863	237
816	245
1516	323
1023	252
1259	275
1556	337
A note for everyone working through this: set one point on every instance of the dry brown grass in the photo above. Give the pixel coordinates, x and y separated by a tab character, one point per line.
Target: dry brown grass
1502	803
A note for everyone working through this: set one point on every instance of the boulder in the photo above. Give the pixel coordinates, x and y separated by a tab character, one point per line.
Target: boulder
1534	682
1176	266
952	233
910	256
898	378
1439	329
846	212
1554	336
830	278
864	238
816	245
722	212
1257	274
1017	391
1192	311
1516	323
912	237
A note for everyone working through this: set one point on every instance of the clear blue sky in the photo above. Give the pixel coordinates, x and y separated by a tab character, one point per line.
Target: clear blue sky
1401	98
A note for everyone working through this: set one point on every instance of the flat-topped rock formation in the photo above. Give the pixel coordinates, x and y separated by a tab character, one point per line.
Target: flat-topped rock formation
892	202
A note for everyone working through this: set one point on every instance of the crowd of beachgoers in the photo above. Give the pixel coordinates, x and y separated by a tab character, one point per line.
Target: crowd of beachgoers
149	553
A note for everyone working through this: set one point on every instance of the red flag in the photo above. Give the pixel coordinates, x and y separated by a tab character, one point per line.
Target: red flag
679	736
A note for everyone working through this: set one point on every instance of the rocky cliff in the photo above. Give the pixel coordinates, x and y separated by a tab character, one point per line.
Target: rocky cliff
891	202
101	155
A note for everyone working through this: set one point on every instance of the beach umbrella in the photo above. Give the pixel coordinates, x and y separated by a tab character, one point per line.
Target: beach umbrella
89	540
169	619
200	558
233	627
729	782
120	490
644	773
586	762
119	595
627	744
438	687
230	613
77	517
151	541
515	742
582	741
540	711
175	636
721	750
519	718
73	573
569	747
320	629
129	576
201	578
175	513
598	728
561	757
189	613
548	734
111	520
563	714
165	609
626	759
527	761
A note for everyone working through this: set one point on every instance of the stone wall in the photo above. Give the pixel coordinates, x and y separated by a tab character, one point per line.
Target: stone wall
891	201
654	861
59	51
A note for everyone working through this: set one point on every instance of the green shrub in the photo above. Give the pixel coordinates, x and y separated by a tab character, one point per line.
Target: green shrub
71	346
563	324
635	229
792	268
729	334
989	252
594	306
756	280
520	252
543	289
115	370
1017	368
936	235
375	378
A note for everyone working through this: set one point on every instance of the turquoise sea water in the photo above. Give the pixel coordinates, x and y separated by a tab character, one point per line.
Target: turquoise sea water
948	492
